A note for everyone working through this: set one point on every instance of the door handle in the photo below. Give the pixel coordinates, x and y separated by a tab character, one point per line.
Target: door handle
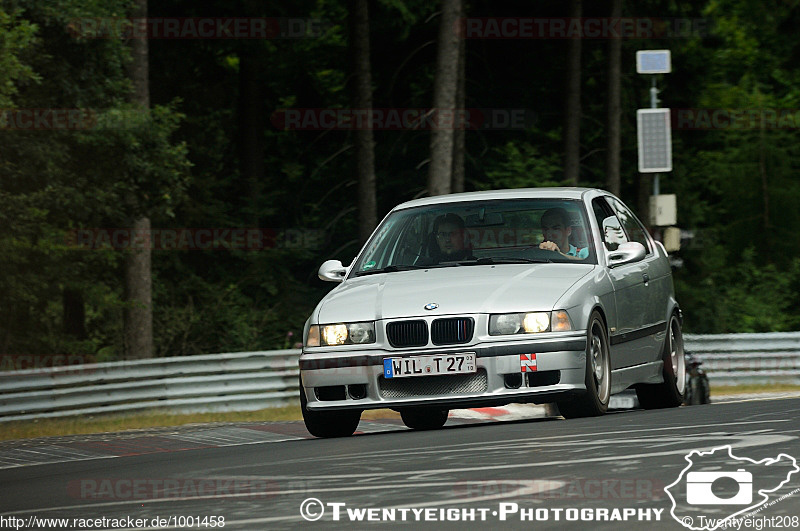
646	278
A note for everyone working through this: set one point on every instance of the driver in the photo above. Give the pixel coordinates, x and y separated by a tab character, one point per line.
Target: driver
556	230
448	232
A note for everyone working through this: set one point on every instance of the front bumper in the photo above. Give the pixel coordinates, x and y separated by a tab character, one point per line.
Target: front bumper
351	378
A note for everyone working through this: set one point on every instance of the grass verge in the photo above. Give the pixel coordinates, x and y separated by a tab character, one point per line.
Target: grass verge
85	424
723	390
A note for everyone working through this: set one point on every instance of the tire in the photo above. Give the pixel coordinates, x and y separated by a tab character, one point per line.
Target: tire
705	390
327	424
689	396
669	393
594	402
424	418
695	390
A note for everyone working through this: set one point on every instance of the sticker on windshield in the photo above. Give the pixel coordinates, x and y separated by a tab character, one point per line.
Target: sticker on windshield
368	265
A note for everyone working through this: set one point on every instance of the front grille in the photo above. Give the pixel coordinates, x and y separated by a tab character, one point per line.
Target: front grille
442	385
407	333
452	331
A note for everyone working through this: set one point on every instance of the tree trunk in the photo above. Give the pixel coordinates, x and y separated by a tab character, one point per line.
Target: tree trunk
459	134
138	324
444	101
362	99
251	123
138	318
74	313
614	109
572	124
139	69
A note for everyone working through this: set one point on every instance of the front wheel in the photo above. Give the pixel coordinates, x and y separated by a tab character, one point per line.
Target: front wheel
424	418
669	393
328	423
598	375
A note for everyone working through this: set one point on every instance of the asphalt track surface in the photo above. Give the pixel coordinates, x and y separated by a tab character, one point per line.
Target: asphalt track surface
539	473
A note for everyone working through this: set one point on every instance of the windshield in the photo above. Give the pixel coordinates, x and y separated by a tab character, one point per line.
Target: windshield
480	232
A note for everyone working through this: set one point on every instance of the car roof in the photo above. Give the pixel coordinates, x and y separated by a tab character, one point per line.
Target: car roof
516	193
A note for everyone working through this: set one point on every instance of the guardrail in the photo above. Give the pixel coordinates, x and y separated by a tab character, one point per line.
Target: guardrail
249	381
737	359
242	381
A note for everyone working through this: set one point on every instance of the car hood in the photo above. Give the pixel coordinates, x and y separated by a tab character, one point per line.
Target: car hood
456	290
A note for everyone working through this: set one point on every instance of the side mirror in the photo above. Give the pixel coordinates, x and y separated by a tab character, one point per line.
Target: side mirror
332	271
613	235
626	253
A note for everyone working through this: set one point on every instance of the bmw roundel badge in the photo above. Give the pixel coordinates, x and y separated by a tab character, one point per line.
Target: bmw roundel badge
431	306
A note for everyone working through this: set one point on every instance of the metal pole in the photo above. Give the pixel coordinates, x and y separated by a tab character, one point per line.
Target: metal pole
653	94
654	105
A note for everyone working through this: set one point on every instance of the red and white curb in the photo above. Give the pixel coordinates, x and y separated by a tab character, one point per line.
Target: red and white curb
532	411
507	412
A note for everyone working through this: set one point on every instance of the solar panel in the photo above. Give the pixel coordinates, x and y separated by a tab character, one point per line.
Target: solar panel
653	62
655	140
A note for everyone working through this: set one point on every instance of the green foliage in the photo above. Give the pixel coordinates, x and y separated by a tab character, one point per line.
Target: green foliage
751	295
120	163
180	163
132	148
520	166
737	182
17	38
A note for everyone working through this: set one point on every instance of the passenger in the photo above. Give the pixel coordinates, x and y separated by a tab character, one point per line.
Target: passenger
556	230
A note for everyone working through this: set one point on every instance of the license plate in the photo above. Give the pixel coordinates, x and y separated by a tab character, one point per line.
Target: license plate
429	365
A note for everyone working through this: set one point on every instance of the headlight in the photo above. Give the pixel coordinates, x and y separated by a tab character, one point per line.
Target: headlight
361	332
536	322
529	323
334	334
341	334
506	324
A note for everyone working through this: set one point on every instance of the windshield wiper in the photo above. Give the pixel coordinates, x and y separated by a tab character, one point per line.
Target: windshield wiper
388	269
491	261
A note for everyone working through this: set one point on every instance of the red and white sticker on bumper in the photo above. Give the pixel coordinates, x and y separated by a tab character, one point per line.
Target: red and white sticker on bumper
527	362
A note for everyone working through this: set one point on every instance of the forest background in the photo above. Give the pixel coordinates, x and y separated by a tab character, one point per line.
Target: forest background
209	148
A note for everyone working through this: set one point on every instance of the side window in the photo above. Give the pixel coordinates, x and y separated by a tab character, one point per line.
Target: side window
610	226
632	226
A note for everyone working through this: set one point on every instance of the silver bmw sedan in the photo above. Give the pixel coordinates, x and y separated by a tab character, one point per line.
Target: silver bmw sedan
546	295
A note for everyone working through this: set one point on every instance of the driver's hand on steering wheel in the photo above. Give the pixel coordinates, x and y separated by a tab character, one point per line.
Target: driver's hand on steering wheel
549	246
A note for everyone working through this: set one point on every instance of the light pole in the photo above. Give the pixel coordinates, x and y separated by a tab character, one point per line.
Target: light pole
654	135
